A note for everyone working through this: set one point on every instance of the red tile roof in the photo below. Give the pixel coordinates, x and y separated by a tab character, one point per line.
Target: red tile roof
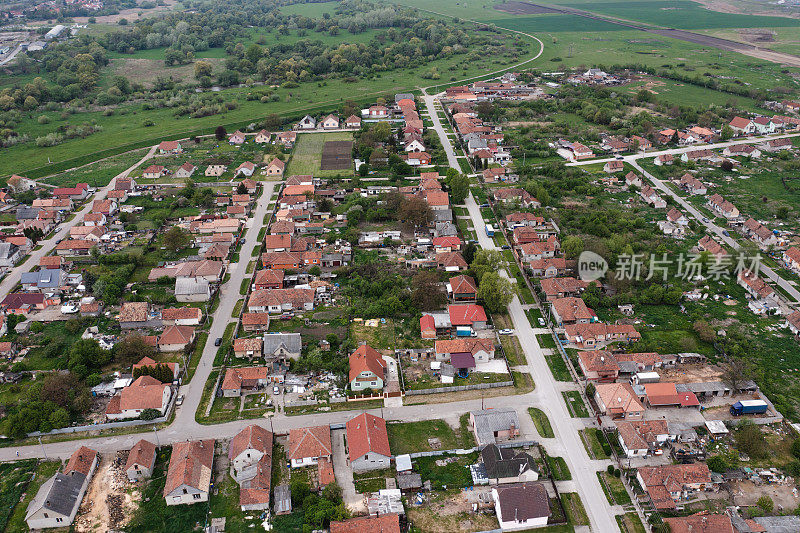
81	461
466	315
309	442
143	453
366	358
367	433
190	464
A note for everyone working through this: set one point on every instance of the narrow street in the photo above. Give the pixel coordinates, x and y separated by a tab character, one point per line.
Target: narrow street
47	245
713	229
547	394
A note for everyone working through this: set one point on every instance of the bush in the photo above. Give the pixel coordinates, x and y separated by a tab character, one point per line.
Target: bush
149	414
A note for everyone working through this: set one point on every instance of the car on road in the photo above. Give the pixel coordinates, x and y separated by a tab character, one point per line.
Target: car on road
541	321
618	157
484	205
276	390
179	401
218	341
506	332
705	219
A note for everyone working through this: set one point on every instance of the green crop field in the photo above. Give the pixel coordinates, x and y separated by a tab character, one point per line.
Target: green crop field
307	154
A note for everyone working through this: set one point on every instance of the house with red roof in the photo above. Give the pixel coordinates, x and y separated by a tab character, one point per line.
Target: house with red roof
188	479
670	484
463	315
368	443
367	369
170	147
250	455
78	192
668	395
146	392
141	460
791	256
427	327
742	126
462	289
306	446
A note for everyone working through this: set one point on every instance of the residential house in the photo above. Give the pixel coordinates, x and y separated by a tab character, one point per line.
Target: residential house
281	346
146	392
250	455
663	159
175	338
247	347
597	334
242	379
504	465
307	123
192	290
330	122
276	301
676	217
692	185
510	195
451	262
477	350
141	460
668	485
255	321
275	168
78	192
368	443
189	473
743	150
598	365
133	315
613	166
793	323
352	122
262	137
269	278
70	247
153	172
148	362
215	170
760	234
764	125
742	126
43	280
711	523
57	501
651	197
206	269
286	138
521	506
464	289
494	425
571	310
245	169
618	400
306	446
378	111
9	254
776	145
722	207
467	315
236	138
707	244
562	287
641	438
791	256
170	147
367	369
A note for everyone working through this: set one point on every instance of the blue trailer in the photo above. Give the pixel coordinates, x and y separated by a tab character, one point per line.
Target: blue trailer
749	407
489	230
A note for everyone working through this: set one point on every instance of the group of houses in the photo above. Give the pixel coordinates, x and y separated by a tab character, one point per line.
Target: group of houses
482	141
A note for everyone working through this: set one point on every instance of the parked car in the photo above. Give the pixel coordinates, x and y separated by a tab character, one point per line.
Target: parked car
276	390
506	332
541	322
179	400
218	341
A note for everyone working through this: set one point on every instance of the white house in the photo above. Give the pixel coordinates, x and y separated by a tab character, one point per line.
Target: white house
521	506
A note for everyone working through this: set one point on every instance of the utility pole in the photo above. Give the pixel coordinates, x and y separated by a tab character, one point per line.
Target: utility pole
158	444
43	450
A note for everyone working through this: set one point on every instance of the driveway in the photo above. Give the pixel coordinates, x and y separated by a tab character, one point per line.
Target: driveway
344	474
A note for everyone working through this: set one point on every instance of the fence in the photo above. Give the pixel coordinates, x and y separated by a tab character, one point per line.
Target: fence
111	425
459	388
465	451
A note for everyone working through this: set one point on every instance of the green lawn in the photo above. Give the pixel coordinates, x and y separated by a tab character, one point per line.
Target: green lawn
575	404
631	523
16	479
614	489
541	422
409	437
576	513
594	442
307	154
454	475
558	367
558	467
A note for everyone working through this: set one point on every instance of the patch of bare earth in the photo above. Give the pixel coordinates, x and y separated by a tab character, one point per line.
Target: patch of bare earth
108	504
147	70
722	6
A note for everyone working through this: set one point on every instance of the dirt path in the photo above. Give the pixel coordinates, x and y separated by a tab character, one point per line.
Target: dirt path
107	502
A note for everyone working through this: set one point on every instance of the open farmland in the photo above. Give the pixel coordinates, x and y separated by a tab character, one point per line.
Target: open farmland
308	154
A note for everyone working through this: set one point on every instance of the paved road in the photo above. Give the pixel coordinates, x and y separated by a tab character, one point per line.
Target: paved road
11	55
430	104
547	394
714	229
684	149
13	277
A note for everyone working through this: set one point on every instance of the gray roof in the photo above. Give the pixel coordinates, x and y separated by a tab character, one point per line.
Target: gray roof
707	386
283	499
447	370
403	96
441	319
445	229
409	480
628	367
27	213
290	341
779	524
191	286
443	215
44	279
7	249
58	494
505	463
490	420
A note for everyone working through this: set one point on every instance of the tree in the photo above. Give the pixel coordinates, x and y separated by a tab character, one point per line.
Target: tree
766	504
414	212
590	390
735	372
717	464
176	238
572	246
726	132
495	292
459	188
426	291
202	68
220	133
149	414
131	349
750	440
486	261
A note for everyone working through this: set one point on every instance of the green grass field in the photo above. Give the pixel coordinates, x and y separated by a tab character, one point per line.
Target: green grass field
307	154
409	437
541	422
